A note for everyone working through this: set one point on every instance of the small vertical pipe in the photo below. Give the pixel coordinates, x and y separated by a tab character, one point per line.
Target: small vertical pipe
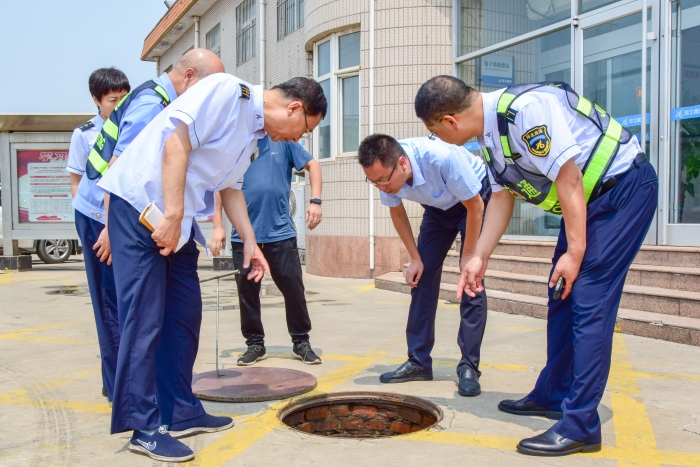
217	327
157	66
371	131
643	134
261	22
196	32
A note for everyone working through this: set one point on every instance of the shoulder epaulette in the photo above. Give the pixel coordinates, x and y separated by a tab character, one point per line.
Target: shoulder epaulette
87	125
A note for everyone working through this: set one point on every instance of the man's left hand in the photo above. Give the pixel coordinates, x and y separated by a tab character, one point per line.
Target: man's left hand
217	241
104	251
167	235
569	267
253	257
313	215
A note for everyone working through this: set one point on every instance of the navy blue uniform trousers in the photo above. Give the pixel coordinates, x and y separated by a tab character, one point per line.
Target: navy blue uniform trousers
160	314
103	295
438	231
580	328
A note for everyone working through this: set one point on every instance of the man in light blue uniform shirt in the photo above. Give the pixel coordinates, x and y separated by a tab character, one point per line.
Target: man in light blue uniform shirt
451	185
202	143
107	86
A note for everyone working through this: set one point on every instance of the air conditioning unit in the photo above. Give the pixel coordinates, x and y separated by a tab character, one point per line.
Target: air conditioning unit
297	213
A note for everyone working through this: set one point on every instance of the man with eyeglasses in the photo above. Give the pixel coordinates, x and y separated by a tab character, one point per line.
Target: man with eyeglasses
553	148
200	144
451	185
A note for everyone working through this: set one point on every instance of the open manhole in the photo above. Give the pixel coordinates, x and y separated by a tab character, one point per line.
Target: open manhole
360	414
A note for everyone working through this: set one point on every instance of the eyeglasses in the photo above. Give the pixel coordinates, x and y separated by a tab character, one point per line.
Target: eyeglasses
306	122
432	135
383	182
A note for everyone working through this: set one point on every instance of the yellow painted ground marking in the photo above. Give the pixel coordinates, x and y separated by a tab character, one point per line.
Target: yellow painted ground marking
363	289
288	356
633	432
27	335
644	374
23	397
462	439
9	276
253	428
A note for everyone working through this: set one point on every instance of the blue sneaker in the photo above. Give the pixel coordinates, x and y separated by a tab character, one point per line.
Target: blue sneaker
160	446
205	423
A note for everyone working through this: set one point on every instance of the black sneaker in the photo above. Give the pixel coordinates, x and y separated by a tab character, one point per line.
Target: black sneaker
305	353
254	354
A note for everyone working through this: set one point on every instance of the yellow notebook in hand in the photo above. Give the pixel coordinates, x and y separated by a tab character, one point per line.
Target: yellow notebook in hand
151	217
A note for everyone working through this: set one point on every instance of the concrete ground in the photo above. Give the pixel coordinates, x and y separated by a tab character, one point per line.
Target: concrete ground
52	413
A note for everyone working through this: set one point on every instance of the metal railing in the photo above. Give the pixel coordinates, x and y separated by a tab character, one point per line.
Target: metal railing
217	278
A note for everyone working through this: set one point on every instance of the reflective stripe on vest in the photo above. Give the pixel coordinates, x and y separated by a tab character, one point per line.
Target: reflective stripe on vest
103	149
535	188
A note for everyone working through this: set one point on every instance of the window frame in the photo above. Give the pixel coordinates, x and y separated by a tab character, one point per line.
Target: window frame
283	19
206	40
244	28
335	97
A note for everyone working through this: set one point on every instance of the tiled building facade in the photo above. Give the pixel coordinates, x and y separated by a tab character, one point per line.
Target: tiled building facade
412	43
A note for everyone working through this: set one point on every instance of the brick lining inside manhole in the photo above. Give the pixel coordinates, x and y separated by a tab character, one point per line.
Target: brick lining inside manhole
360	414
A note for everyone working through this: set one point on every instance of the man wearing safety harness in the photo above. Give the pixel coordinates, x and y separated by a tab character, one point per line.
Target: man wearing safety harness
125	122
553	148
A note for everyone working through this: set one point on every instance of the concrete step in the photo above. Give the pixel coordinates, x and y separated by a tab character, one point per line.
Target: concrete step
652	255
652	299
680	329
666	277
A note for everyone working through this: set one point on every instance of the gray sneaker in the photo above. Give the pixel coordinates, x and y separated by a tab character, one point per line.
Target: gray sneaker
254	354
305	353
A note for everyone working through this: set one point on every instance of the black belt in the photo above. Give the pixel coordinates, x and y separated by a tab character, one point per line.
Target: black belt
612	181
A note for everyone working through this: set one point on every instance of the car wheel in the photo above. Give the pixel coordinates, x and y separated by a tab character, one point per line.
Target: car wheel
54	251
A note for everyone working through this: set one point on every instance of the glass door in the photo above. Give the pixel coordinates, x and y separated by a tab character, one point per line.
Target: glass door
683	226
609	71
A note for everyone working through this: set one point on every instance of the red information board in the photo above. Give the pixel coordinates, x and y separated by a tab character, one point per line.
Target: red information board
44	186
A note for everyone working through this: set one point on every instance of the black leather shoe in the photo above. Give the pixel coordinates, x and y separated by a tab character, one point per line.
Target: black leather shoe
551	444
406	372
469	383
526	407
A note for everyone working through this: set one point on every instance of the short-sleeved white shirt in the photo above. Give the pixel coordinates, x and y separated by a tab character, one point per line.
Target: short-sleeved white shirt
571	135
81	142
225	119
443	174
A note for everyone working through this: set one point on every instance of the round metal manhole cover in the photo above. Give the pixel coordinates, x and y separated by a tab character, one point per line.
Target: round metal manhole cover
360	414
252	384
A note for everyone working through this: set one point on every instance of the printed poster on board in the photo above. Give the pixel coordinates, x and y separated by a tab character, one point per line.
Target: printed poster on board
44	186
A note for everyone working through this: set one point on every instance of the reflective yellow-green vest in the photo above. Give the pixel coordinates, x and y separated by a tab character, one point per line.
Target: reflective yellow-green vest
103	149
536	188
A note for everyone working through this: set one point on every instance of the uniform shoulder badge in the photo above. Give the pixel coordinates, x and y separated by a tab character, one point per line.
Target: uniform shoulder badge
87	125
245	92
538	140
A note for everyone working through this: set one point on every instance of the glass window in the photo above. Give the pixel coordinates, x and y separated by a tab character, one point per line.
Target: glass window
290	17
612	70
588	5
245	31
324	128
547	58
213	40
488	22
349	50
685	113
334	60
351	113
323	58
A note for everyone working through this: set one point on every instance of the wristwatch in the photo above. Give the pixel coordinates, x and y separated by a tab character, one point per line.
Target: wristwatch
315	200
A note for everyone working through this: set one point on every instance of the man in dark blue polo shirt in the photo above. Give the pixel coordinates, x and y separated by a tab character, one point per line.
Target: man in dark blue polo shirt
266	188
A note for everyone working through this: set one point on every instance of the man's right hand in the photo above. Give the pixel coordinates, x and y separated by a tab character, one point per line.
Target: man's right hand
413	272
471	280
253	257
104	252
